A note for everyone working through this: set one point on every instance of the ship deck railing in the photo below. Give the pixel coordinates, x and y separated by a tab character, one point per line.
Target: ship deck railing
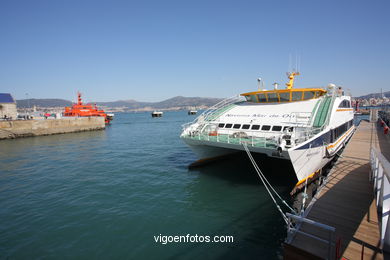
238	138
257	138
210	112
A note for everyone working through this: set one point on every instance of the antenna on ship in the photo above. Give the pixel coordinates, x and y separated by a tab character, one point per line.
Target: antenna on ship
294	71
260	84
275	85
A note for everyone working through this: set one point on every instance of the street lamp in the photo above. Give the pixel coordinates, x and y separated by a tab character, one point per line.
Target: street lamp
28	104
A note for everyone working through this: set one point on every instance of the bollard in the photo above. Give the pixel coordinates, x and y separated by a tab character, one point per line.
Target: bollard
338	247
386	130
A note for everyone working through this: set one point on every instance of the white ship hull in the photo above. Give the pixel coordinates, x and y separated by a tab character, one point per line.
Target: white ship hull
208	150
306	161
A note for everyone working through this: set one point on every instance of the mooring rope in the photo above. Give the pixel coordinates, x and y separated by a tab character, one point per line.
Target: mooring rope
268	186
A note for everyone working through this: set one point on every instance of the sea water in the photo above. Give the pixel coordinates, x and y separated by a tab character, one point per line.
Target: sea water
109	194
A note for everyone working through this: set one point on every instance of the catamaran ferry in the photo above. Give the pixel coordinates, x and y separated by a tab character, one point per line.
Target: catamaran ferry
306	126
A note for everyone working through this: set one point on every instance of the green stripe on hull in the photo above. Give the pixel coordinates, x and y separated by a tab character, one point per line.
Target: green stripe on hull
322	112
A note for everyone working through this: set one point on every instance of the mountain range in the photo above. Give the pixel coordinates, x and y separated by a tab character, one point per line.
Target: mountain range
375	95
178	102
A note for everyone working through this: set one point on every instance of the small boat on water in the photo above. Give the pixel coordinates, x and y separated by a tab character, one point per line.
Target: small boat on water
110	116
192	112
85	110
306	126
157	114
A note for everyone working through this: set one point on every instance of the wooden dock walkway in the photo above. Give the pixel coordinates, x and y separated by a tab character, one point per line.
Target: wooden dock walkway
346	203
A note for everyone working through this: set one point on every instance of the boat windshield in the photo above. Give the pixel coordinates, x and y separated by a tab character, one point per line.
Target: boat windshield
279	96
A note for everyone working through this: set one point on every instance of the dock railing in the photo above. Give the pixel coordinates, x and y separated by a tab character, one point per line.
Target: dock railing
380	177
293	227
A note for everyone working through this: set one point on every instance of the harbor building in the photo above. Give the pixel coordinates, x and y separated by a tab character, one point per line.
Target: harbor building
7	106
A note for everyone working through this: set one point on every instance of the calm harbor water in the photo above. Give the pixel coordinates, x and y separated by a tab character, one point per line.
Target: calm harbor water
106	194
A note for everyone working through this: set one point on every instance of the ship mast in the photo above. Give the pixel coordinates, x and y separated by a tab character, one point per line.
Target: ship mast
79	101
291	77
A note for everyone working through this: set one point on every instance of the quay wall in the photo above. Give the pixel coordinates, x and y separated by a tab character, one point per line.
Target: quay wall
24	128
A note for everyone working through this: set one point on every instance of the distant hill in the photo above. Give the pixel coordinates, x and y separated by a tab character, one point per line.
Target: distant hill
131	104
375	95
175	102
43	102
178	101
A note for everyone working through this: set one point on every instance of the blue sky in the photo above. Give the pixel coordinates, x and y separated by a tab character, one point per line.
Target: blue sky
154	50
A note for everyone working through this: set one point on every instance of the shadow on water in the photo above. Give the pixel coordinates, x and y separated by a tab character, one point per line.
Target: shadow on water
266	224
266	234
238	168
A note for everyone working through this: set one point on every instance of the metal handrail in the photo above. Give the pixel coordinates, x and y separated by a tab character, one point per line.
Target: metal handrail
292	230
203	116
380	176
220	104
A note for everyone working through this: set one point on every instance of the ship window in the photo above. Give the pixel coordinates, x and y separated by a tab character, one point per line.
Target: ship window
290	128
276	128
255	127
296	96
284	96
266	127
251	98
261	97
245	126
345	103
236	126
309	94
228	125
221	125
319	94
272	97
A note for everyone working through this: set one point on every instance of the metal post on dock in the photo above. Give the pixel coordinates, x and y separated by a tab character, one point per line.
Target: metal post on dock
373	115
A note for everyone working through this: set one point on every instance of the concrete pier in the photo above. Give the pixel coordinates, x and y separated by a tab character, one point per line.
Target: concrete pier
346	203
25	128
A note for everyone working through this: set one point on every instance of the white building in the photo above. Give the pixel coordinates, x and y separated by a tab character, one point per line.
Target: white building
7	106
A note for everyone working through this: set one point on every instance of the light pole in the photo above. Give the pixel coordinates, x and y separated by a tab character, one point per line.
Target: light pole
28	104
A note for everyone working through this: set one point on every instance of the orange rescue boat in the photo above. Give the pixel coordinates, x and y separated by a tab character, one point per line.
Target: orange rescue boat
81	109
